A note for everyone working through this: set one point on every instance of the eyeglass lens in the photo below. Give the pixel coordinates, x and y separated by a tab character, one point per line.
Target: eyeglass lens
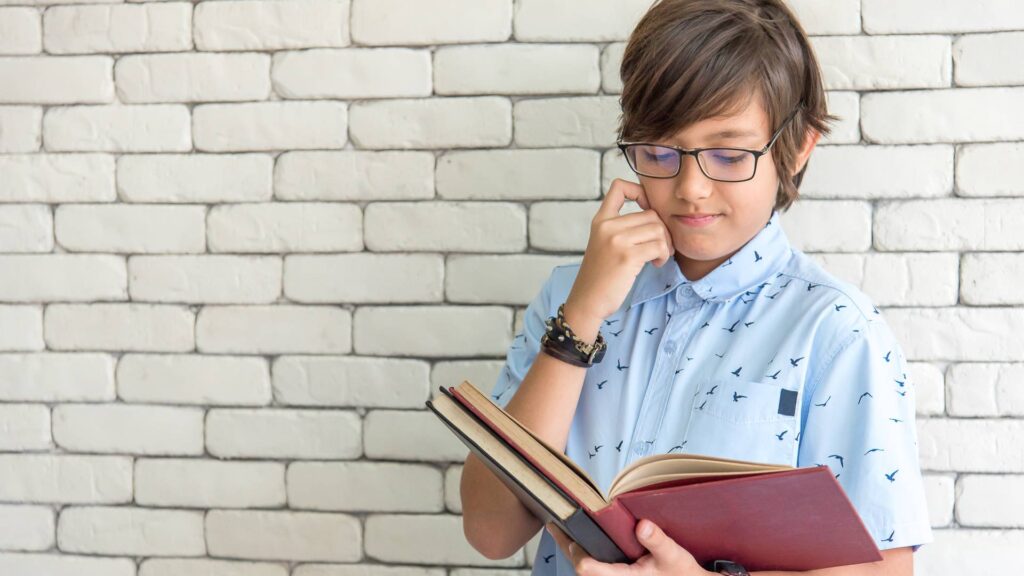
717	163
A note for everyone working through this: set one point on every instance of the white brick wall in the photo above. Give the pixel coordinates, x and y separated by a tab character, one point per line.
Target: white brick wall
242	242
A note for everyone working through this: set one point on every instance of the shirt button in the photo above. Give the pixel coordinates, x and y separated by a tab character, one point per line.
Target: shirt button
638	447
670	346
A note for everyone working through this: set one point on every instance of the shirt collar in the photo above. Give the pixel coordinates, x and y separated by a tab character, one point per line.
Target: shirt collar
754	264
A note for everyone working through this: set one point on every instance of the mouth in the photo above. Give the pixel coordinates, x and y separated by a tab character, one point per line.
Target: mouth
696	220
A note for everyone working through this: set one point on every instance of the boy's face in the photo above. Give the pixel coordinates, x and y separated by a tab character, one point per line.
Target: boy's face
738	210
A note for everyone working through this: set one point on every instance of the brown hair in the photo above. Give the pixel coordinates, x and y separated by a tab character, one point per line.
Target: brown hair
688	60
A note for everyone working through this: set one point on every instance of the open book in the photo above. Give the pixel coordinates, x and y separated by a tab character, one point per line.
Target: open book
764	516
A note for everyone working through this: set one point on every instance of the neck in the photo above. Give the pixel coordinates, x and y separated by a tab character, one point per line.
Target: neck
694	270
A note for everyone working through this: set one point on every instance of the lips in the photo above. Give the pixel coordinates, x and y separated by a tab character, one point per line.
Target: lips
701	219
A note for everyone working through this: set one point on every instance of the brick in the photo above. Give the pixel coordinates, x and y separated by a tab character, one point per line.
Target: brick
161	27
427	22
192	77
194	483
992	278
982	501
193	379
56	377
127	228
352	381
369	570
58	178
119	327
482	373
970	445
983	389
562	226
260	126
883	17
266	25
832	226
364	486
23	129
445	227
21	328
354	175
924	171
585	121
985	59
353	73
451	122
517	69
63	478
26	228
949	224
63	277
990	169
958	334
310	434
174	566
364	277
26	427
195	178
65	564
519	174
938	491
952	115
411	435
822	18
27	528
279	329
961	550
866	62
122	128
125	428
285	227
577	20
297	536
56	79
499	279
845	130
452	489
130	531
930	388
20	31
905	279
205	279
398	330
425	539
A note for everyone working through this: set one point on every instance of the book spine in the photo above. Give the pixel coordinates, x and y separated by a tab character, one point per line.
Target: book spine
620	525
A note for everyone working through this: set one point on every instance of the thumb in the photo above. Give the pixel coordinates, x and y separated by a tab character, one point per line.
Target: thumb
663	548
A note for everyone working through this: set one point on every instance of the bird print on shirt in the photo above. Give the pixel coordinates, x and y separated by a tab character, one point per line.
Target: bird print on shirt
756	317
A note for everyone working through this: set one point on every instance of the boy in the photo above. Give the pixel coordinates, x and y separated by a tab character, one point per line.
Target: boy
721	338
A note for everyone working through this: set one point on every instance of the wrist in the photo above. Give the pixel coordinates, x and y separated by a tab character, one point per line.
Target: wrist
584	325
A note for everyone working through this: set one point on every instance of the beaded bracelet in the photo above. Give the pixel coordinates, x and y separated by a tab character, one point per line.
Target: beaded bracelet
561	342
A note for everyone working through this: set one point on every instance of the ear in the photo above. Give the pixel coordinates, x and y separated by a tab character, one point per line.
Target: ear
805	150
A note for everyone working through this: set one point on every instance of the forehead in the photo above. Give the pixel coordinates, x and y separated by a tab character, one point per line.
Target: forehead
747	122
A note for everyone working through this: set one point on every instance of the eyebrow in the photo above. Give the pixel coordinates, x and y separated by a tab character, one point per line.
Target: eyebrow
732	133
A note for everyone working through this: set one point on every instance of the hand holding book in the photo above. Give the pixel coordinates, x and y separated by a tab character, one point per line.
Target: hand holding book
763	516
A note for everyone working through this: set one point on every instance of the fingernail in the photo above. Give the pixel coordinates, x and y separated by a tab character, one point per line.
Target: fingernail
646	530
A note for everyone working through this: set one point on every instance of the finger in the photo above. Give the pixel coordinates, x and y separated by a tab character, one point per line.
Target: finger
616	197
560	538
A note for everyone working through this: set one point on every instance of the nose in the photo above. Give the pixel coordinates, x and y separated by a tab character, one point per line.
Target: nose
691	184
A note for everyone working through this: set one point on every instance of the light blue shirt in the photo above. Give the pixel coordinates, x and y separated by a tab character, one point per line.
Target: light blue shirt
767	358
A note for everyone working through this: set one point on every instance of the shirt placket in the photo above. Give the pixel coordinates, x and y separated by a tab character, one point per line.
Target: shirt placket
684	305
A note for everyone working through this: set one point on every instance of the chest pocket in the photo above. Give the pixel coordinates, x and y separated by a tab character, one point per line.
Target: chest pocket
744	420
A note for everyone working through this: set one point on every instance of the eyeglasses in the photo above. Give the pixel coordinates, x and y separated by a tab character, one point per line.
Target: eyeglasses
721	164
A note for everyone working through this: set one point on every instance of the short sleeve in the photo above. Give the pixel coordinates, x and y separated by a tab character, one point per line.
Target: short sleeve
525	345
860	421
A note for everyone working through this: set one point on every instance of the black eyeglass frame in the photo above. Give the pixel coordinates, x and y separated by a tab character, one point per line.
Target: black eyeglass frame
695	151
